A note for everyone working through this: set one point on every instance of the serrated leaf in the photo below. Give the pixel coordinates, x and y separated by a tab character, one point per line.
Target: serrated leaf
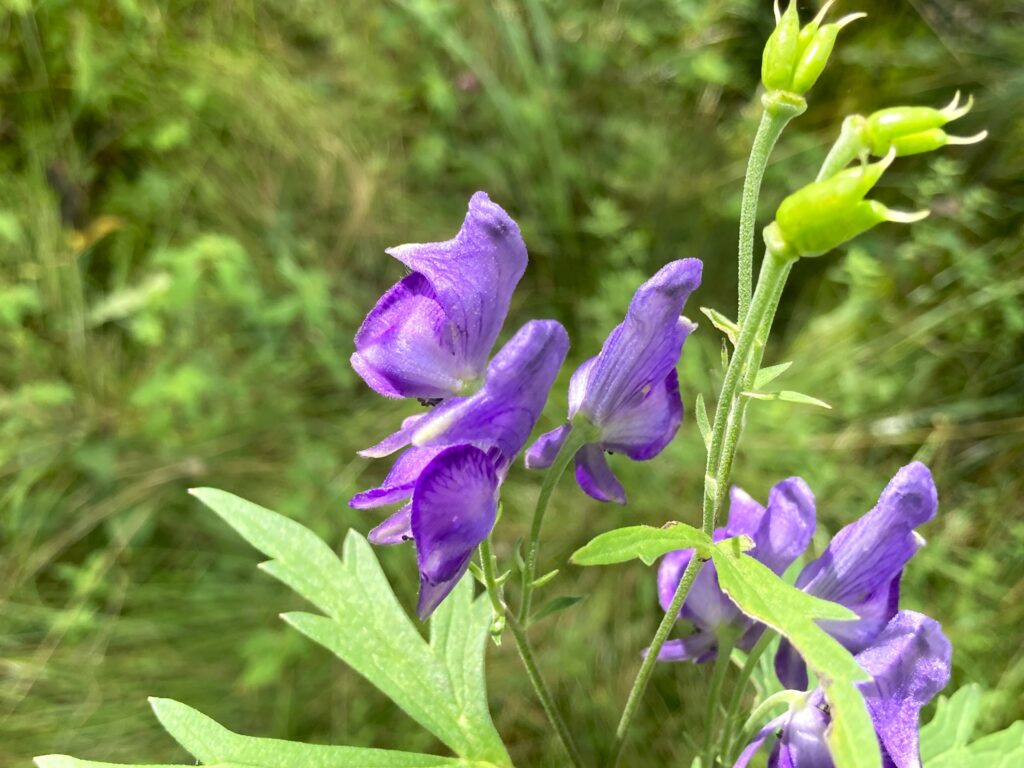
557	604
788	396
722	323
1003	749
767	375
366	627
953	723
214	745
639	541
703	424
765	597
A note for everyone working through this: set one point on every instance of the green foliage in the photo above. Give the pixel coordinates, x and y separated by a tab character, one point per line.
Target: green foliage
946	739
641	541
214	745
440	685
763	596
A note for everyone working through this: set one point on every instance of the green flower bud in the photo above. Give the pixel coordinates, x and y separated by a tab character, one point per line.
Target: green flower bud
912	130
826	214
794	58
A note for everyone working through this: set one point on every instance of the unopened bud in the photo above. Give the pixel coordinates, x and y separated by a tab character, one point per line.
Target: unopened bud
912	130
828	213
794	58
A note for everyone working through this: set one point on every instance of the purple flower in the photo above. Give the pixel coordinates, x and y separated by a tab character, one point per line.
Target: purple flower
780	532
460	453
909	664
862	566
629	394
430	335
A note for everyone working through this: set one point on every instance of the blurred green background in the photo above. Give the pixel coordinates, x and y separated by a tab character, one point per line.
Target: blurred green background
194	204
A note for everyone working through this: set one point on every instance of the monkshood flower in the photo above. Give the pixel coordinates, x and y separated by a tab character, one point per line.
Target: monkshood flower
430	335
627	397
862	566
457	456
909	664
780	532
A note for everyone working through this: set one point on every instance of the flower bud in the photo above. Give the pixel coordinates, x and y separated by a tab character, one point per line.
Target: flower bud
794	58
912	130
826	214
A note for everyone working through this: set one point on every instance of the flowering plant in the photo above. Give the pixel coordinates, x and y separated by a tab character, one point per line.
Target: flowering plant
851	669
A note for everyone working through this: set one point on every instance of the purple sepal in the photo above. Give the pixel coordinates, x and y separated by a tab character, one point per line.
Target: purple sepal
432	332
542	453
398	484
396	529
595	477
454	506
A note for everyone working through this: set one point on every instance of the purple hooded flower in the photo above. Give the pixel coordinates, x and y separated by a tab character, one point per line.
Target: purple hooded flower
780	532
629	393
430	335
909	664
862	566
451	494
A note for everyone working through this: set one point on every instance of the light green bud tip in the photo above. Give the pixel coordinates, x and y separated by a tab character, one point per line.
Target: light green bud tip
912	130
794	58
826	214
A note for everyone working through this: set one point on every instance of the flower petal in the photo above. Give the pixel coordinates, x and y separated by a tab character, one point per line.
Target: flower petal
473	276
399	482
396	440
865	556
504	411
404	348
762	736
596	478
745	513
909	663
396	529
803	743
454	506
698	648
642	429
786	527
542	453
641	350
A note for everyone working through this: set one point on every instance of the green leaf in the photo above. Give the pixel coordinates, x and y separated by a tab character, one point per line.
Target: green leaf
767	375
214	745
557	604
703	424
789	397
640	541
953	723
1003	749
763	596
722	323
366	627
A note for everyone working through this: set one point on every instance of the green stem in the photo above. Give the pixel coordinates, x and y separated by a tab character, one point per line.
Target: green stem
647	666
732	710
493	590
546	701
779	109
573	442
789	698
726	642
847	147
526	654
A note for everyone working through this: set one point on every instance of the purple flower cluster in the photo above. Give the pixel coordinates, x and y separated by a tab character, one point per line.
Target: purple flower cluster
906	653
430	337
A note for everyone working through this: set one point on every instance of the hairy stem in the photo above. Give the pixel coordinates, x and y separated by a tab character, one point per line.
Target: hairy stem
541	688
568	450
779	109
526	654
732	710
726	642
647	666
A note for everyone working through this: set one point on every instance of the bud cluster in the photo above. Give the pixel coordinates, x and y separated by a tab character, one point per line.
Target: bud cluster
795	57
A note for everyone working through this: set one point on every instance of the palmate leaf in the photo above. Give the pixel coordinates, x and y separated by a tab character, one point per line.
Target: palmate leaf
440	685
640	541
214	745
946	740
763	596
